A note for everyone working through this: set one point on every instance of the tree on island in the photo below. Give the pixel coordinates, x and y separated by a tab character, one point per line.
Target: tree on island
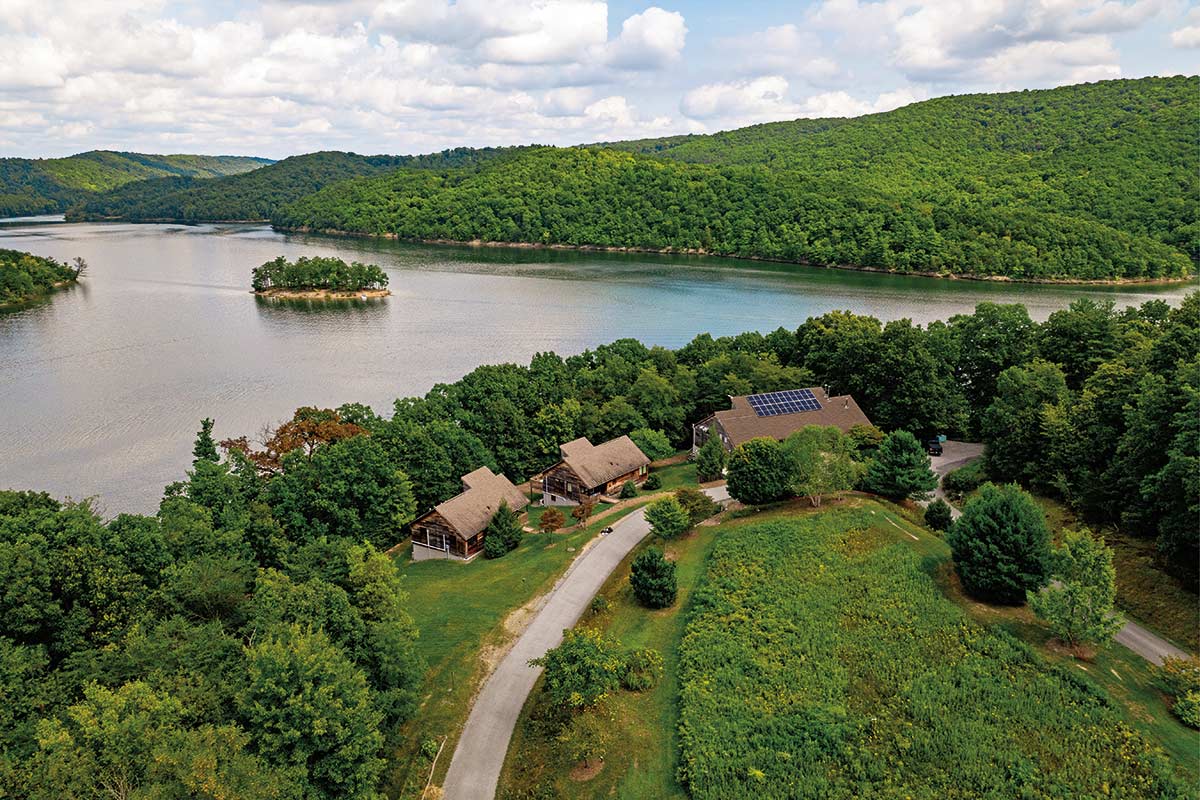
317	273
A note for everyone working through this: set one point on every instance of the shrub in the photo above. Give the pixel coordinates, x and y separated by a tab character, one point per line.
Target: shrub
1001	544
696	503
586	736
583	511
582	670
759	472
503	533
667	518
552	519
598	605
1180	678
652	578
938	515
643	669
654	444
711	459
628	490
901	469
654	481
964	479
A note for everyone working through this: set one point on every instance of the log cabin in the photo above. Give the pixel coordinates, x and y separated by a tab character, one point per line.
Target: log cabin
777	415
589	472
456	528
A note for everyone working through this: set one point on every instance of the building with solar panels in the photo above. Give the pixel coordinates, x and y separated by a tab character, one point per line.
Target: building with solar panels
777	415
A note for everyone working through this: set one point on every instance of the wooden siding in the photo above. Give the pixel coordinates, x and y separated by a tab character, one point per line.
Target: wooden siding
561	481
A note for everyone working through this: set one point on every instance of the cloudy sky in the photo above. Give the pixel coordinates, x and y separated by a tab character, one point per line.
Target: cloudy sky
406	76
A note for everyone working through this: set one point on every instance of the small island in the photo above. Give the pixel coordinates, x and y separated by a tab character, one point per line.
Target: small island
319	278
25	277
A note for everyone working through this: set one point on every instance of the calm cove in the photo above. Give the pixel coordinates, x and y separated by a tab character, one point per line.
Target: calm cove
102	386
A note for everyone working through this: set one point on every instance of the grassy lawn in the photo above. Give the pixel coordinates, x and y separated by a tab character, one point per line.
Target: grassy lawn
461	611
676	475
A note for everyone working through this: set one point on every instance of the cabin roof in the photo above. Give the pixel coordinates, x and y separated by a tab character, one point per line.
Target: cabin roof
741	423
470	511
601	463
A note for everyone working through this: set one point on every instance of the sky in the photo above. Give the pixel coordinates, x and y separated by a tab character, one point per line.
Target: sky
279	78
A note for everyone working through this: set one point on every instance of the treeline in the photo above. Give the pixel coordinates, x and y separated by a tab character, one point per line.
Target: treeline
307	273
256	195
24	276
47	186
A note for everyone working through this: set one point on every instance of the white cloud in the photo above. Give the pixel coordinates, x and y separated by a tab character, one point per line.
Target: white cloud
759	99
785	49
654	38
1188	36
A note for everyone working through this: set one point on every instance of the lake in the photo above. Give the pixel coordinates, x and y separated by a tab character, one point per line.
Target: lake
103	386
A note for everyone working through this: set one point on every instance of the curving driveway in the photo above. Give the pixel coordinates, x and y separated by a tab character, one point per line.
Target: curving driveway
475	767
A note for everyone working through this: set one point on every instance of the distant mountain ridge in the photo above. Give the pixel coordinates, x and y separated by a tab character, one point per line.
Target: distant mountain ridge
46	186
1091	182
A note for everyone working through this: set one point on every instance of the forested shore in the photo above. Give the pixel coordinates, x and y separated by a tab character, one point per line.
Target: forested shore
25	277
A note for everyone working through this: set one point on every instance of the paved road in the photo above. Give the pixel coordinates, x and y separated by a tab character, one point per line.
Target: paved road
475	767
1141	641
954	455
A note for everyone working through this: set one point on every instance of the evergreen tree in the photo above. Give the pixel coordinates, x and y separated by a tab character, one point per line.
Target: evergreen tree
901	469
503	533
710	459
1001	545
652	578
938	515
205	449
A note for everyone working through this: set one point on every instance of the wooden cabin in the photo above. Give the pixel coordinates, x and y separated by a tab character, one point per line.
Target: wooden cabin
455	528
589	472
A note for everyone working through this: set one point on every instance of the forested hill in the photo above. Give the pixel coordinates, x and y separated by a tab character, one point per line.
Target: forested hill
48	186
1097	181
257	195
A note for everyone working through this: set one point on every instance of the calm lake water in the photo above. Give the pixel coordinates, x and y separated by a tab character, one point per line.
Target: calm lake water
102	386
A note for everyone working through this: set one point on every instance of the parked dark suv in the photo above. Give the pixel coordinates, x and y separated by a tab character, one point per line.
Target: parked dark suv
933	447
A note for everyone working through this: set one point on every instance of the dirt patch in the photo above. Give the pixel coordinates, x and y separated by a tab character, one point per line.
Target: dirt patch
585	772
1078	651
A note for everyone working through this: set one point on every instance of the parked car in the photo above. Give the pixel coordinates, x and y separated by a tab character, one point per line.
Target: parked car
606	531
933	447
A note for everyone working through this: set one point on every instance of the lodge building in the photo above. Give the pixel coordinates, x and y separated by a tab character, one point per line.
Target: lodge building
777	415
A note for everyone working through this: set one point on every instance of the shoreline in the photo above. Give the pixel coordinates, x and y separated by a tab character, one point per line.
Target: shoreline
702	252
33	298
321	294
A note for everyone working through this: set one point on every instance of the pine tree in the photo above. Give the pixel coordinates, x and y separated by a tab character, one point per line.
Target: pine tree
503	533
205	449
1001	544
901	470
710	460
652	578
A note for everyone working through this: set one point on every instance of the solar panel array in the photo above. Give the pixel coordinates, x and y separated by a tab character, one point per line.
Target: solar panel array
793	401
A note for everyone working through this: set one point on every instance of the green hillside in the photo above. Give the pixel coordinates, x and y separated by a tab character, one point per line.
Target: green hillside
47	186
257	195
1094	182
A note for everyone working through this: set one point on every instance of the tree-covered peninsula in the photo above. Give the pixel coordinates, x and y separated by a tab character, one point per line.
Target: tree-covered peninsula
24	276
319	277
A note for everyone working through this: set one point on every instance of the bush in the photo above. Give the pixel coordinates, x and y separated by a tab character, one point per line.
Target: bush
759	472
696	503
938	515
654	481
667	518
654	444
1180	678
598	605
901	469
582	670
652	578
1001	545
964	479
503	533
628	490
643	669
